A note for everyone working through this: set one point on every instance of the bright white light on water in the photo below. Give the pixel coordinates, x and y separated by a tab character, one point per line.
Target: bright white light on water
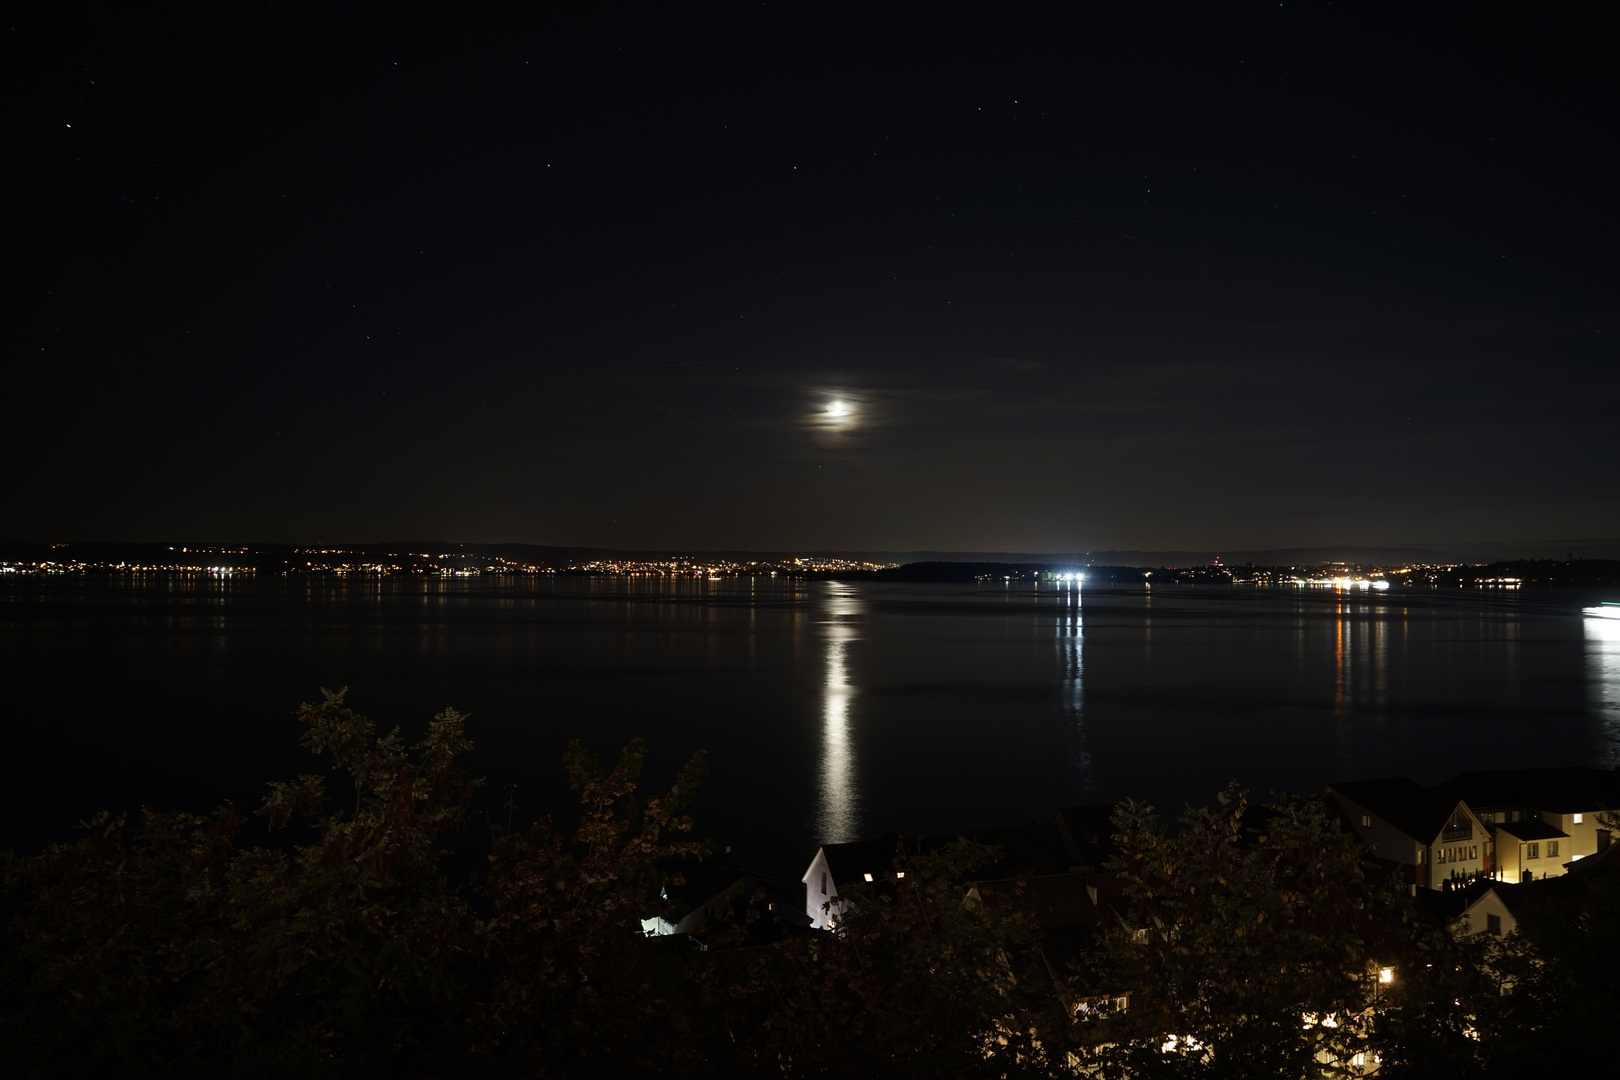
838	820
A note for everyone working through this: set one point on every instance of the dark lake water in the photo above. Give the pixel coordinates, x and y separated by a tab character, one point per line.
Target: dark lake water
830	710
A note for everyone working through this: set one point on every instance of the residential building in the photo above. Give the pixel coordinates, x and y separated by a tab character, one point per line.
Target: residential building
714	890
860	860
1088	834
1551	814
1438	839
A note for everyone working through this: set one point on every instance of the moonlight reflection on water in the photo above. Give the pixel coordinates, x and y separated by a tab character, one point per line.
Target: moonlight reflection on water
838	819
1603	675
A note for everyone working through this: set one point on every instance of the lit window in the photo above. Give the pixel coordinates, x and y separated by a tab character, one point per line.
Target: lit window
1532	851
1366	821
1386	975
1489	819
1577	819
868	877
900	874
1552	849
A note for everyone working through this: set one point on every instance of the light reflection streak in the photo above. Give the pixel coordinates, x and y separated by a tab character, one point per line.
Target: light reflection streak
1360	646
1603	685
1071	646
838	819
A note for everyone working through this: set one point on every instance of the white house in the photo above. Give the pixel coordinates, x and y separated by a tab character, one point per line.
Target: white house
862	860
1436	835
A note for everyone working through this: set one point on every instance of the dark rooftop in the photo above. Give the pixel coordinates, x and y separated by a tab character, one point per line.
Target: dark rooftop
1404	803
1559	790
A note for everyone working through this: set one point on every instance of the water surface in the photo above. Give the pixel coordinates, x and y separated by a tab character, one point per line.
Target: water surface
830	710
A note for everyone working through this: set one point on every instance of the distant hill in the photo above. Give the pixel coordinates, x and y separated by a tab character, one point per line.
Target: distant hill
559	556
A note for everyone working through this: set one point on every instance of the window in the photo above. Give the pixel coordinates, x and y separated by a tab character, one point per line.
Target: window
1532	850
1577	819
1552	849
1493	924
823	884
1366	821
1489	819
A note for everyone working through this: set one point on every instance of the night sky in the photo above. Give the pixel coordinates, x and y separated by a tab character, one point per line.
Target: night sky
793	277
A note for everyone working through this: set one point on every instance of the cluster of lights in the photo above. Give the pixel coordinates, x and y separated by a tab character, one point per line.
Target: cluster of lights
1343	583
77	567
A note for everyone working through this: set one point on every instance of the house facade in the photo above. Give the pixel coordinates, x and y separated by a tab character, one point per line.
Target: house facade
1438	838
1551	815
861	860
1530	850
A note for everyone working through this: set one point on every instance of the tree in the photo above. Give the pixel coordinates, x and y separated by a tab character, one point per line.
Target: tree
1247	950
172	951
915	980
574	983
1548	987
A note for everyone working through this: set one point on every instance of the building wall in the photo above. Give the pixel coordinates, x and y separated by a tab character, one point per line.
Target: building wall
1480	910
1462	859
1386	840
1513	855
1459	860
815	896
1582	837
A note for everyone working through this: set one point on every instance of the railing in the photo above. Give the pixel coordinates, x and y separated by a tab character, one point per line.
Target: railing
1457	836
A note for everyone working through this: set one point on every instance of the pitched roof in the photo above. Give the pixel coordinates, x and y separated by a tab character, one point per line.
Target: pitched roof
848	862
1088	832
1560	893
1053	900
1405	804
1442	906
1060	904
1559	790
1024	850
1605	860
